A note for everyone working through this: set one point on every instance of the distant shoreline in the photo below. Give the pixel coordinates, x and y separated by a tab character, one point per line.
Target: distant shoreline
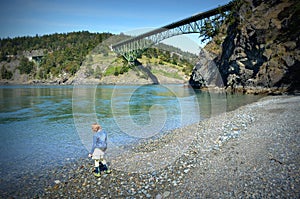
245	90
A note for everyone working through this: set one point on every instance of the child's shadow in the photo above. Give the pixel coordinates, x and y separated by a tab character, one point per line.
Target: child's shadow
102	167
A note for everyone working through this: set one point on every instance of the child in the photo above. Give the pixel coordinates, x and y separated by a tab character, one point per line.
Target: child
98	149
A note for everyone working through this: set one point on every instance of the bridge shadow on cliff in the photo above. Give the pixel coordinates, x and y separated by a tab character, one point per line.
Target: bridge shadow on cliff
146	71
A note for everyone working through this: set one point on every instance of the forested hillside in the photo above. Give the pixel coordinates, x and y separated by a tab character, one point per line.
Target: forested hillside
60	53
57	58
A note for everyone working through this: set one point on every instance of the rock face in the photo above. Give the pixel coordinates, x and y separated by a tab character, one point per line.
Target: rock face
206	72
260	52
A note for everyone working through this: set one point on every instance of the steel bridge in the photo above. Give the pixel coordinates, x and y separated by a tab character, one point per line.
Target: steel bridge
133	47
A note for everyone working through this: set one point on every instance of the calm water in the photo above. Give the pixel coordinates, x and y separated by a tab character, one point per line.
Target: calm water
46	126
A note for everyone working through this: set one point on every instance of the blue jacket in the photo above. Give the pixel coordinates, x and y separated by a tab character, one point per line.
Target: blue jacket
99	141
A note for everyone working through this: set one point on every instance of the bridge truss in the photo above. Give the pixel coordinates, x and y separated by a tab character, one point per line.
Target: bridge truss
200	23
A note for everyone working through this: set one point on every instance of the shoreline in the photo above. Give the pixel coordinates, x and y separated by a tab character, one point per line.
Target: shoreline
252	151
213	89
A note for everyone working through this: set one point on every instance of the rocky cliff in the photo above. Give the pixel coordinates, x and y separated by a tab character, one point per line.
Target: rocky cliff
260	50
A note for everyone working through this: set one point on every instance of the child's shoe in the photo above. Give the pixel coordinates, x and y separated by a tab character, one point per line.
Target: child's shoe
97	172
106	169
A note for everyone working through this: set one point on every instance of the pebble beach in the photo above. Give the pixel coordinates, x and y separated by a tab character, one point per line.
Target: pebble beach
251	152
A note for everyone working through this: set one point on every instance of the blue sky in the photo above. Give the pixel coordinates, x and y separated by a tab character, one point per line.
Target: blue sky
32	17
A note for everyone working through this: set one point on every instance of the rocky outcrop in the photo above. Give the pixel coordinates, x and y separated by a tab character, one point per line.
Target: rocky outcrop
261	52
206	73
135	77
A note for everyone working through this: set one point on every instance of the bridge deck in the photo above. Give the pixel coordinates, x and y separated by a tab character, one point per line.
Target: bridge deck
193	18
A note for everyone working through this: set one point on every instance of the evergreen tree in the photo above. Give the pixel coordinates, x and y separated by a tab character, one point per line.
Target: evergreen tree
5	74
25	66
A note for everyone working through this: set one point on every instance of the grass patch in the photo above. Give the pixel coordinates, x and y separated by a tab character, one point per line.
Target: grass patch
166	74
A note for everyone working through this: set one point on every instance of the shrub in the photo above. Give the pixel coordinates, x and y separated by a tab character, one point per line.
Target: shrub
25	66
5	74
